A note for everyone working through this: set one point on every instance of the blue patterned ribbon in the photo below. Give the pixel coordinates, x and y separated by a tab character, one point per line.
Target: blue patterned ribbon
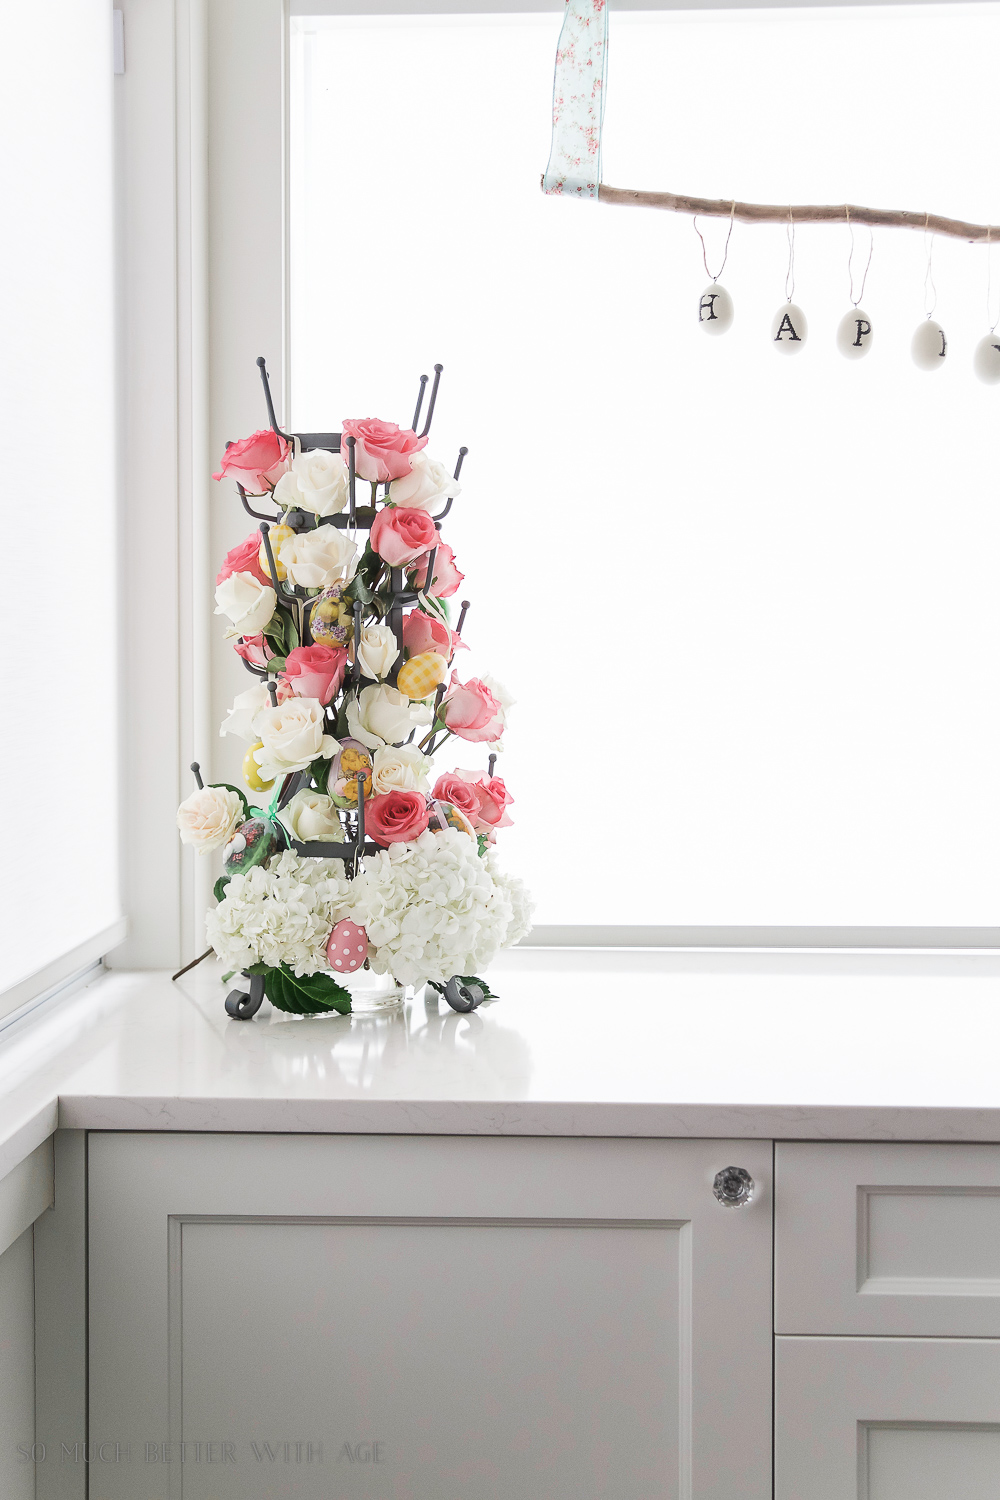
578	101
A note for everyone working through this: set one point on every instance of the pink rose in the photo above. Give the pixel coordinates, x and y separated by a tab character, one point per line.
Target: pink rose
253	649
401	535
256	462
471	711
492	799
423	632
313	672
454	788
396	817
447	579
382	451
243	559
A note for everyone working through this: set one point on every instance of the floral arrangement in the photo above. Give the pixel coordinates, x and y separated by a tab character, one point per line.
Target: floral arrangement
359	852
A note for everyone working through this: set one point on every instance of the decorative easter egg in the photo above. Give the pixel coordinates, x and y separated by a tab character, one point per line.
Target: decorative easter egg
715	310
251	771
789	329
342	783
986	359
252	844
446	815
330	622
929	346
422	675
276	535
347	947
854	334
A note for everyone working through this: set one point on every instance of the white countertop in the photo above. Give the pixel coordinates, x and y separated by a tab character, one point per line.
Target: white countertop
584	1043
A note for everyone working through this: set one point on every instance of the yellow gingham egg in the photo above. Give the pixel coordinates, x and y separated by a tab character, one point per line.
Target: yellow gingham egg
276	535
421	675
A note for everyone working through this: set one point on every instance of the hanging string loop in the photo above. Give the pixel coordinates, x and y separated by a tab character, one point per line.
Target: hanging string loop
790	273
725	250
856	301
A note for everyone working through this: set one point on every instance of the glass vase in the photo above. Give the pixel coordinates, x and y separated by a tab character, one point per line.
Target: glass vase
372	993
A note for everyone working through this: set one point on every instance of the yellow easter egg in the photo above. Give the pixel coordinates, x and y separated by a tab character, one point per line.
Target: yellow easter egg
251	771
276	536
422	674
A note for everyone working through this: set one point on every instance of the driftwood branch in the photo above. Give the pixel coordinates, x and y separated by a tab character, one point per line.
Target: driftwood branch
801	213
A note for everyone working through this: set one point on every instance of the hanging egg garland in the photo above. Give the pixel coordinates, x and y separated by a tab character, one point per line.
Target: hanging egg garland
929	347
715	310
854	334
986	360
789	329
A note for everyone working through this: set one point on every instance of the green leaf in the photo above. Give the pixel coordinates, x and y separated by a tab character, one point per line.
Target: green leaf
226	787
362	587
219	888
276	664
311	995
483	840
227	977
319	770
281	633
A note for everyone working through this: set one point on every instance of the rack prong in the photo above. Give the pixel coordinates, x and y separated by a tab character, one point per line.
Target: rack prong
272	689
351	477
433	400
196	768
356	669
493	761
420	401
262	367
461	618
461	459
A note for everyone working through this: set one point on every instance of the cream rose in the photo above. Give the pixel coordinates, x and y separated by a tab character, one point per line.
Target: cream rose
378	651
316	481
291	736
246	707
312	815
402	770
382	715
248	603
207	818
316	559
427	483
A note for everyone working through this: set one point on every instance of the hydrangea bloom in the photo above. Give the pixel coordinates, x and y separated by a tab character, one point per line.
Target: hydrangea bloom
432	908
519	897
280	915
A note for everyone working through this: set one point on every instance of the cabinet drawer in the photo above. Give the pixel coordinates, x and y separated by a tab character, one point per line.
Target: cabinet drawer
887	1239
886	1419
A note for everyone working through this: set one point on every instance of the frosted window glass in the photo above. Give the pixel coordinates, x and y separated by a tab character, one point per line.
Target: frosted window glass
748	605
58	876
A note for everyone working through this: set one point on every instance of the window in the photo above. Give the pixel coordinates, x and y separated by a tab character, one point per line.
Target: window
59	879
747	605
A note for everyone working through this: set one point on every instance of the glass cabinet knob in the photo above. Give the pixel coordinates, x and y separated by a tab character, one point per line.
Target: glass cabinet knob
734	1187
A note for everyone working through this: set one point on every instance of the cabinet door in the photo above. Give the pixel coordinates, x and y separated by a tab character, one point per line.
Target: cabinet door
886	1419
430	1318
893	1239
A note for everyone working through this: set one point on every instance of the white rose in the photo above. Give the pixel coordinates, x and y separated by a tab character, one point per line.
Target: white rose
316	481
382	715
427	482
246	707
316	559
207	818
291	736
403	770
378	650
312	815
248	603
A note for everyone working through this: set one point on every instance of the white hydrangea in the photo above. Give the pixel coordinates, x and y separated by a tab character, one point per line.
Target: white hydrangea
432	908
519	897
281	914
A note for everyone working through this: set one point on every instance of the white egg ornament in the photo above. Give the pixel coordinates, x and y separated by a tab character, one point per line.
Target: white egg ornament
986	359
715	310
789	329
929	346
347	947
854	334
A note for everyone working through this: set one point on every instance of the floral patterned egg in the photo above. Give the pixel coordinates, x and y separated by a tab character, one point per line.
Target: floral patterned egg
422	674
446	815
252	843
330	621
342	784
347	947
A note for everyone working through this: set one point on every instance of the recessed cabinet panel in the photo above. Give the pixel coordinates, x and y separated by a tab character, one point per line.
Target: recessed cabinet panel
892	1239
886	1419
429	1318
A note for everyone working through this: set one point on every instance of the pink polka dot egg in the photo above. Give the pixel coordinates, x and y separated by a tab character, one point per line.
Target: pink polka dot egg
347	947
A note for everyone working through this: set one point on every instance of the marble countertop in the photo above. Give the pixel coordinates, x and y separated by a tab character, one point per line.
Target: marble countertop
580	1043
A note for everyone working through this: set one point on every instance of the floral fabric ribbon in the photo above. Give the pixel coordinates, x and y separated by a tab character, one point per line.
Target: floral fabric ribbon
578	101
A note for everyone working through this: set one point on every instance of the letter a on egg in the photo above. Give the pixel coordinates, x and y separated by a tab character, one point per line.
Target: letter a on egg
786	329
